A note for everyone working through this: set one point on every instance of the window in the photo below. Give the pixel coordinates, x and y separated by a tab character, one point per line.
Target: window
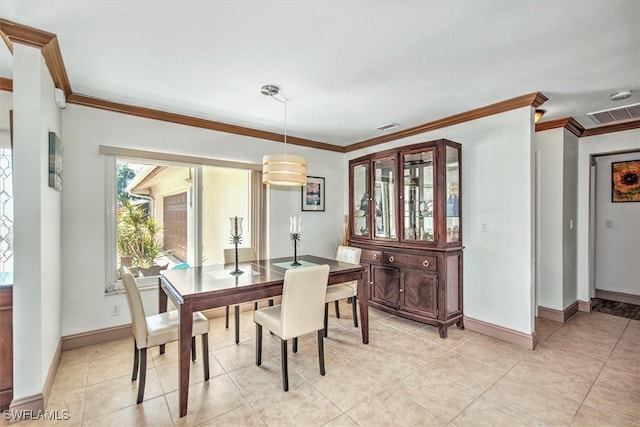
168	214
6	217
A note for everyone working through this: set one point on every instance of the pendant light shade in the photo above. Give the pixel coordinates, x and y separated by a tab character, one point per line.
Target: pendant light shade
282	169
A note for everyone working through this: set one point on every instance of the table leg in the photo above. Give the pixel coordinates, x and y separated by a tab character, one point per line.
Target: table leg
363	299
162	305
184	362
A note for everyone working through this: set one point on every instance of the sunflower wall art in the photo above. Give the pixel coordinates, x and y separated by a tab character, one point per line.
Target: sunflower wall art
625	181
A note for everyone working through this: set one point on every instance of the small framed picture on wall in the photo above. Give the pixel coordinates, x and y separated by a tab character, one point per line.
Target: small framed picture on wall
313	194
625	181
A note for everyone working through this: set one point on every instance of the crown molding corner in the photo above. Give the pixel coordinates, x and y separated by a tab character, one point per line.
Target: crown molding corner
569	123
12	32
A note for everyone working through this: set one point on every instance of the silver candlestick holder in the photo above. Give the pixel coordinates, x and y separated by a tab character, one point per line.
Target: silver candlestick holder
296	238
236	239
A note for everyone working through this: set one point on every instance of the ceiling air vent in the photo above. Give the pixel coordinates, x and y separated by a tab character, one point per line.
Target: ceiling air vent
615	115
387	127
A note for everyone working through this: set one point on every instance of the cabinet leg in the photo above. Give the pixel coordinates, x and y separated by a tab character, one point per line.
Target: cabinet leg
460	324
442	328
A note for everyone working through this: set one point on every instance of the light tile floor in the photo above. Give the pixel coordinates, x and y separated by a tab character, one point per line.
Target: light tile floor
583	373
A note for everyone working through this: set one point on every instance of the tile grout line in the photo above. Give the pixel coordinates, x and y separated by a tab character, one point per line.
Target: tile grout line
600	372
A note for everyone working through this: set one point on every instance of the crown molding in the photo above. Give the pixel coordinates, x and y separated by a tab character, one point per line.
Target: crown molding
577	129
534	100
47	43
617	127
17	33
149	113
12	32
6	84
568	123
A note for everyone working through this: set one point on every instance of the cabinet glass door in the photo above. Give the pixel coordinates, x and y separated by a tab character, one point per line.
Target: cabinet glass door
384	198
452	176
418	196
361	200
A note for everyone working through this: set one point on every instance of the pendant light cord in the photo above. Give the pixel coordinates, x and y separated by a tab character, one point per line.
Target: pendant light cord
284	101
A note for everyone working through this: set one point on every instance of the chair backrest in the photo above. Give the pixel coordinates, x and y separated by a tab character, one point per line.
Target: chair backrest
136	308
349	254
303	296
244	255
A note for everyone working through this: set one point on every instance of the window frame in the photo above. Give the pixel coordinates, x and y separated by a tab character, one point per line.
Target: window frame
112	155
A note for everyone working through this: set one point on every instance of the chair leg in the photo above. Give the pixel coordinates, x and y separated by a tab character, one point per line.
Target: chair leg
321	351
270	303
355	311
295	345
285	371
205	355
134	375
143	374
193	349
226	317
255	306
236	314
326	318
258	344
337	309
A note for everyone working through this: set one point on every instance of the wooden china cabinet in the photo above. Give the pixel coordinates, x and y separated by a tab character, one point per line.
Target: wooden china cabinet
405	212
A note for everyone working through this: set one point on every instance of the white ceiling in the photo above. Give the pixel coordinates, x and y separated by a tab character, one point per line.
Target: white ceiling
344	67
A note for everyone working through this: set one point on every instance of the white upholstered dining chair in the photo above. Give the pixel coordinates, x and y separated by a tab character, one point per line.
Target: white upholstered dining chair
157	330
299	313
345	290
244	255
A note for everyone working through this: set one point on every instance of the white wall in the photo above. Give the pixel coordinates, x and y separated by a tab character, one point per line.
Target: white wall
617	250
37	230
496	190
569	219
549	146
599	144
556	216
86	306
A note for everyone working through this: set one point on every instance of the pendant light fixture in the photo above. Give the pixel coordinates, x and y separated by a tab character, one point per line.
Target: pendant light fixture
282	169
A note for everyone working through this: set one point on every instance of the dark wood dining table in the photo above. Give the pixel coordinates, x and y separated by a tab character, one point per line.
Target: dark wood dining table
204	288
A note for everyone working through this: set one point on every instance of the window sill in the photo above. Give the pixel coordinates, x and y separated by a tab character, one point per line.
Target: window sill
144	284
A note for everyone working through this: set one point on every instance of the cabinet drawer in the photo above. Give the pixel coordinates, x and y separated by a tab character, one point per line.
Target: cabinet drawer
411	261
370	256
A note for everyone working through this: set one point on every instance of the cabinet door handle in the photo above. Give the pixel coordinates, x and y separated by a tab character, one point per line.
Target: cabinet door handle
374	256
425	263
401	290
391	259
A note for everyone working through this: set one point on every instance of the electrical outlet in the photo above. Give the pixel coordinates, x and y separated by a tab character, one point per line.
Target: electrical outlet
115	309
484	227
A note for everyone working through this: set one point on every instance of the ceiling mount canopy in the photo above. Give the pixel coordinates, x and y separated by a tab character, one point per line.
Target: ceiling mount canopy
282	169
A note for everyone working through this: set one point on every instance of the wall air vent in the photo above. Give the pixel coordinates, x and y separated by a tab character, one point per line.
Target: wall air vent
387	127
615	115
